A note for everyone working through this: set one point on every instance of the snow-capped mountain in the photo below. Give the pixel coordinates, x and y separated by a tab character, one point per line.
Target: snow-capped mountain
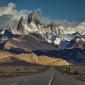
58	32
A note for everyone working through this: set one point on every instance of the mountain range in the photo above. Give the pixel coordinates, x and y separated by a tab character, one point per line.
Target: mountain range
55	40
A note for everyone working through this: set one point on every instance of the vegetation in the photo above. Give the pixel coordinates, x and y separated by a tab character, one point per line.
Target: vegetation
13	71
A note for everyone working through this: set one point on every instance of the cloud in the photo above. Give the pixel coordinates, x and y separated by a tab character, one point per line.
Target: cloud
6	20
39	10
10	10
7	10
10	15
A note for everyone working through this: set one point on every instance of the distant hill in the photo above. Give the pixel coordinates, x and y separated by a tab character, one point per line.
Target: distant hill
24	59
74	56
28	43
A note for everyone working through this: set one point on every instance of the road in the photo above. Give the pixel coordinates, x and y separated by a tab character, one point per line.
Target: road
35	79
65	79
49	77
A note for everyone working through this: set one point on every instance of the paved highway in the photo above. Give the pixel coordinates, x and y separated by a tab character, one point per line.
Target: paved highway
35	79
49	77
60	78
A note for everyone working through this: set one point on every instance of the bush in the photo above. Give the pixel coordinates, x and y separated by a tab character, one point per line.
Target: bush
76	73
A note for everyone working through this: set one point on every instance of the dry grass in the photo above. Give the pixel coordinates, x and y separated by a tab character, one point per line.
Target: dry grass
14	71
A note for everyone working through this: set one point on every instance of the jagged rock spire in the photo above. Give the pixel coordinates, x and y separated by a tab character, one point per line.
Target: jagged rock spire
20	26
9	28
33	17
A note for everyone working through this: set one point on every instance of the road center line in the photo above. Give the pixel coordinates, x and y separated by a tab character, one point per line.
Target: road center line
50	82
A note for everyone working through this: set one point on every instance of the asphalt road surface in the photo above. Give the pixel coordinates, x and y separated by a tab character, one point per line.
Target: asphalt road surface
65	79
35	79
49	77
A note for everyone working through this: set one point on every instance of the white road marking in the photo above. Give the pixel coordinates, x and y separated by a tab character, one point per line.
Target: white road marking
50	82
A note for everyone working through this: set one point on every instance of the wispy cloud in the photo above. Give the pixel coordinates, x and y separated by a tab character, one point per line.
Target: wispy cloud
10	10
10	15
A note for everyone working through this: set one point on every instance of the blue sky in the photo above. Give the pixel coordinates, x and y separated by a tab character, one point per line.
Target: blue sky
72	10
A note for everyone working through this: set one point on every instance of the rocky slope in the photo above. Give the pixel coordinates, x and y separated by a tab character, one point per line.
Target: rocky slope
20	27
28	43
77	42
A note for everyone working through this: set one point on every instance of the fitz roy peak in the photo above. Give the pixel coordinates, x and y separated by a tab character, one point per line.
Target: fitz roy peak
54	32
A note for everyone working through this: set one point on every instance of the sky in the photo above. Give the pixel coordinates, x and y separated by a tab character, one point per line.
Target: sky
71	10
